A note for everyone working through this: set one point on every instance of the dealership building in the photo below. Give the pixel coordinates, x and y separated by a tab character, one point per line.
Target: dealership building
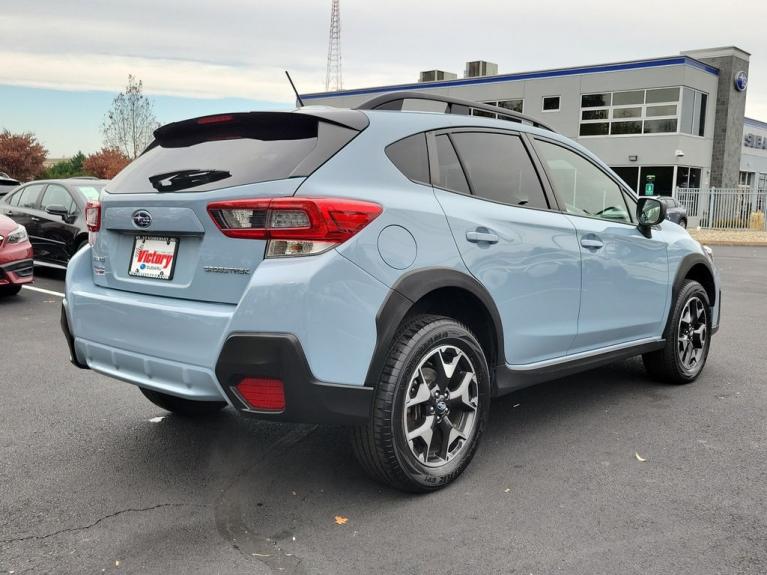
660	123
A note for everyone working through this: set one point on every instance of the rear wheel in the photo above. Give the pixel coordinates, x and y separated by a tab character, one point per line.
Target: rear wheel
688	338
179	406
9	290
430	407
683	223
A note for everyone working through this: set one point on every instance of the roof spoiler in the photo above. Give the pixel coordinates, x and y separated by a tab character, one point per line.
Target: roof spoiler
278	125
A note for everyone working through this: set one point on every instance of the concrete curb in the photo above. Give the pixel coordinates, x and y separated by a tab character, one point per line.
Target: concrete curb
733	243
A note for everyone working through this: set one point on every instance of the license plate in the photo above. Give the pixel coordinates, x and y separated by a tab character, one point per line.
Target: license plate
153	257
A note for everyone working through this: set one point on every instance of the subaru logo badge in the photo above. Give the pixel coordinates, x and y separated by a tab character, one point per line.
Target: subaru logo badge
741	81
142	219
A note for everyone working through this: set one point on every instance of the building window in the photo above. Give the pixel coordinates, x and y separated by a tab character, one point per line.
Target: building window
687	177
631	112
746	179
629	174
693	116
515	105
551	104
656	180
483	113
763	182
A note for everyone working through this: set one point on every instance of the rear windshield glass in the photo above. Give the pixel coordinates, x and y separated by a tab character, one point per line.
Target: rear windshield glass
257	147
91	192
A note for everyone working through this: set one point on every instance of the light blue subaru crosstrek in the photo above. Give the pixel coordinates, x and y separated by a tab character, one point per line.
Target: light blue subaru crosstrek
392	271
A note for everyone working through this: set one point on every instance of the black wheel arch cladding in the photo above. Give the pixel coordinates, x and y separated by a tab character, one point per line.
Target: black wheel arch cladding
415	287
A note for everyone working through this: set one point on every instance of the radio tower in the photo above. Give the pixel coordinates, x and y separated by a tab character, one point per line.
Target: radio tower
333	78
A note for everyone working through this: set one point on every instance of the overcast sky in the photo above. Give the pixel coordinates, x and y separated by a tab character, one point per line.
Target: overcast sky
204	55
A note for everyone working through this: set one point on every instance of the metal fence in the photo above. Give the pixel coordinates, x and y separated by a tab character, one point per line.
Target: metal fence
724	208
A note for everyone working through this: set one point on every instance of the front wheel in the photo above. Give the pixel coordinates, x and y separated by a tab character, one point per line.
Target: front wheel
688	338
180	406
430	407
683	223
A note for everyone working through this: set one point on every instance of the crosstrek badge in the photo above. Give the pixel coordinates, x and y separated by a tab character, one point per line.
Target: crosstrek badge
153	257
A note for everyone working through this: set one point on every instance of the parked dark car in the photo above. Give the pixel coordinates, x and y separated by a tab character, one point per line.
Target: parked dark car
53	212
675	212
7	183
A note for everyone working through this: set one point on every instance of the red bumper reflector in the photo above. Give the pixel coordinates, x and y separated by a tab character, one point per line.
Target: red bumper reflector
262	393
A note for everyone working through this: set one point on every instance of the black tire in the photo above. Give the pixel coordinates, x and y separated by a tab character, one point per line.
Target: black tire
381	446
185	407
9	290
683	223
668	364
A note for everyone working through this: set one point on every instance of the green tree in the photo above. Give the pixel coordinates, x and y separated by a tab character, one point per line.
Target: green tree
67	168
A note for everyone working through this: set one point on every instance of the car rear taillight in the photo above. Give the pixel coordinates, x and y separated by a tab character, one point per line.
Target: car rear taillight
263	394
294	226
219	119
93	216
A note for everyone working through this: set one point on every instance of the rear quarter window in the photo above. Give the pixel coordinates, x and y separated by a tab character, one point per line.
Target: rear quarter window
411	157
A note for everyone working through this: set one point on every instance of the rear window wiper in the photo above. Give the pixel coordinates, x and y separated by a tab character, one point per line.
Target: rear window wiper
184	179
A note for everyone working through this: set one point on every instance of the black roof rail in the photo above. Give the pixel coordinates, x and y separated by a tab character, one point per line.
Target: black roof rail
394	101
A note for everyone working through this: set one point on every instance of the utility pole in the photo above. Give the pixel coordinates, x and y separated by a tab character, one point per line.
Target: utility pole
333	77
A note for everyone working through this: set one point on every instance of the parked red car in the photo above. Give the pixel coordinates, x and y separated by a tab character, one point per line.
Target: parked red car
15	257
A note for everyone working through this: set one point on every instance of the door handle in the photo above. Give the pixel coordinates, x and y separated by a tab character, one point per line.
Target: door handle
477	236
35	219
592	243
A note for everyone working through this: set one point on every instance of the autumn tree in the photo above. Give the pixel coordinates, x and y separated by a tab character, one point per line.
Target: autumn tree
106	163
129	124
21	155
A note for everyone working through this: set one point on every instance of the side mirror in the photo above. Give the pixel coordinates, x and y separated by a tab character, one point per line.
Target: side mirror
650	212
57	210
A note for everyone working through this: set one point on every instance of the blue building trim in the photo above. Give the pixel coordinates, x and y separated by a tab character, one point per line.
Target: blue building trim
756	123
636	65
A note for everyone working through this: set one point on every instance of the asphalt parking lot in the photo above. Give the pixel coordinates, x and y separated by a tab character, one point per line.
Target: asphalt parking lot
89	483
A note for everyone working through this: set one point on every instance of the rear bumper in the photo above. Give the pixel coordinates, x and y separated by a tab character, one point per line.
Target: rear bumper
16	273
280	356
166	376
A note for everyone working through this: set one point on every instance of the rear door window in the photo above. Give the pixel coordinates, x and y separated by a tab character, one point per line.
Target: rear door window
29	195
500	169
411	157
231	150
13	199
450	174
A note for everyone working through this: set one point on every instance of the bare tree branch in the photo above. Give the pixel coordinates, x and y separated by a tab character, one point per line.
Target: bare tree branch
129	124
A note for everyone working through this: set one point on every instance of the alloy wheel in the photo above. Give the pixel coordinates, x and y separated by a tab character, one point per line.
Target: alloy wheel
440	407
692	334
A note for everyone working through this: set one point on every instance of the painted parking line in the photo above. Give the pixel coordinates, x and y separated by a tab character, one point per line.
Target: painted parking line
41	290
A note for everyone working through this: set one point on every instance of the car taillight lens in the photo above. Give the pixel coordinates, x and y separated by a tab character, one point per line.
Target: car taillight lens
263	394
93	216
294	226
